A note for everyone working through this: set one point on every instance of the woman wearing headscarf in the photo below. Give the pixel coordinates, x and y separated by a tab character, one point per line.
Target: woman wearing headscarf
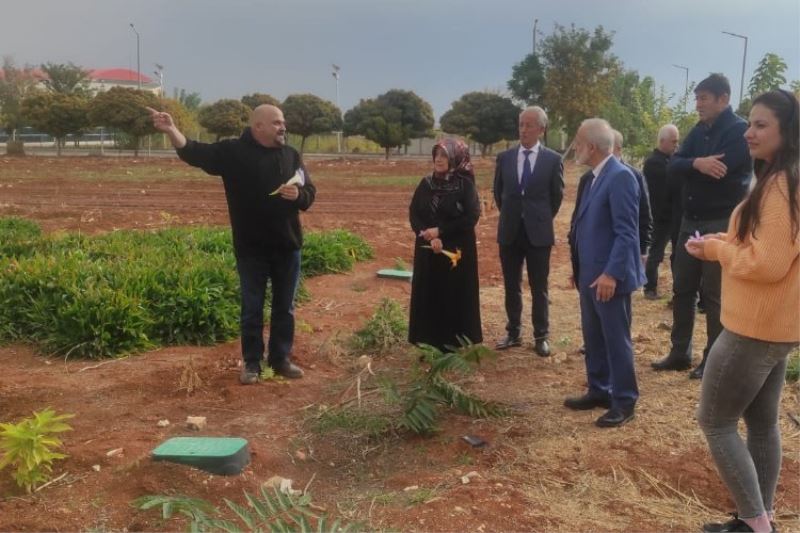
445	306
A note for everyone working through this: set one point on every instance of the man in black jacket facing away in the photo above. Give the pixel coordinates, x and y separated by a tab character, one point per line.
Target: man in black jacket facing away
715	164
265	222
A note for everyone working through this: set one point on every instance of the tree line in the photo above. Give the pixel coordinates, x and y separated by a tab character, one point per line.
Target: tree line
573	75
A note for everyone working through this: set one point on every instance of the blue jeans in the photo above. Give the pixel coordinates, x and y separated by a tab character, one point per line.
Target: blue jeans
744	378
282	268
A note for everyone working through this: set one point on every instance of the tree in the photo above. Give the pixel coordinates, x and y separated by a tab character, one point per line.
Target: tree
256	99
124	110
66	79
484	117
224	118
307	115
392	119
56	114
190	101
767	76
15	84
527	80
579	70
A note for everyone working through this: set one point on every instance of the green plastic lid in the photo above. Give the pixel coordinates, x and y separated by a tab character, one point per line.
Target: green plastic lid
394	274
219	455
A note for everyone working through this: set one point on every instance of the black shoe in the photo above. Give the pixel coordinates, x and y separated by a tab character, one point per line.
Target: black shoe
671	363
288	370
615	417
250	373
650	294
586	402
508	342
542	348
697	373
732	525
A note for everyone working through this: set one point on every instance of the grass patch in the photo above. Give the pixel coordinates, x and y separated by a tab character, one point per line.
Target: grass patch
793	366
387	328
354	422
128	291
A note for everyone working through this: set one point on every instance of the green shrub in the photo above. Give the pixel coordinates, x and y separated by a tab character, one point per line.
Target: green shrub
387	328
126	291
18	236
29	446
333	252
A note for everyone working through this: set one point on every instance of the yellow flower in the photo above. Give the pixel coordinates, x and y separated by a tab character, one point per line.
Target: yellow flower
454	257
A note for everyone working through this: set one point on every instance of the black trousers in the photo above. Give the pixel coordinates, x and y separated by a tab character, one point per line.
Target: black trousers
537	260
688	273
282	268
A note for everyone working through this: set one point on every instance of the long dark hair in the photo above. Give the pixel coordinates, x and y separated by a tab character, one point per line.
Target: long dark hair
785	107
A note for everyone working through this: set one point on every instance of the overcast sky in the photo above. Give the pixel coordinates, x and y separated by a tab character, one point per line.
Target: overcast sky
440	49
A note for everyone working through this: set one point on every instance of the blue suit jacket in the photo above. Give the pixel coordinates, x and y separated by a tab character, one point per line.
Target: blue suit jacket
607	229
540	203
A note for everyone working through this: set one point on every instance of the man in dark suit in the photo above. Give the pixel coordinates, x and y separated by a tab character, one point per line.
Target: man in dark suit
528	189
609	269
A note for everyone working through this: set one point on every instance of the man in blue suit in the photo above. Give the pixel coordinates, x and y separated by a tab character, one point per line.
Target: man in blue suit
528	189
609	269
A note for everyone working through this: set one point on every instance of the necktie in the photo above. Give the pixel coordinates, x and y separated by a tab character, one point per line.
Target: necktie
526	170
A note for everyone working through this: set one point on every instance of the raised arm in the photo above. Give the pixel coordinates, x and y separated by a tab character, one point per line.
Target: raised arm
163	122
205	156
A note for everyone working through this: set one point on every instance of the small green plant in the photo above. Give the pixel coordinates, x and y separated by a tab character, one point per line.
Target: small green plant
793	366
431	387
352	421
421	495
386	328
268	373
30	446
273	511
400	264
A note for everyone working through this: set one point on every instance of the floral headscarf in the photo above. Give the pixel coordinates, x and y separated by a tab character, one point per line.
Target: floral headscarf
458	154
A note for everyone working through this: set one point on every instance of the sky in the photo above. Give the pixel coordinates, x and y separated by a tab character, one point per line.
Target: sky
439	49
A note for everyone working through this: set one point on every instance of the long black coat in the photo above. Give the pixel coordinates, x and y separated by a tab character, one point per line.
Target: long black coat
445	303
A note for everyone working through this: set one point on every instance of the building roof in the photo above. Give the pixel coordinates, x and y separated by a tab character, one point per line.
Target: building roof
117	74
105	74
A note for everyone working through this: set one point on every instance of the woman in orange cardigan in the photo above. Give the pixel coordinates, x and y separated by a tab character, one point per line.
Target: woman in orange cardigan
746	368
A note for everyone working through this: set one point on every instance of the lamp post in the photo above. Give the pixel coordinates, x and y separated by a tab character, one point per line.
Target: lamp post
335	73
686	85
535	22
744	60
160	73
138	64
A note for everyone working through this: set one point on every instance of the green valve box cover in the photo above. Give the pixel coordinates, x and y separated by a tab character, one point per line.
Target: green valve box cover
219	455
394	274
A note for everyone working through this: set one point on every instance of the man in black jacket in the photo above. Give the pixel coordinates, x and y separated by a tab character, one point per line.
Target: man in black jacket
264	210
661	203
716	167
528	189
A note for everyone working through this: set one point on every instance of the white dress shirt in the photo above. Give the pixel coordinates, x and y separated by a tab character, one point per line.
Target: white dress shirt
521	158
599	168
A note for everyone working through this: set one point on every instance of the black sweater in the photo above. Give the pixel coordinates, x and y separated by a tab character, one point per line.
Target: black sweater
250	172
704	197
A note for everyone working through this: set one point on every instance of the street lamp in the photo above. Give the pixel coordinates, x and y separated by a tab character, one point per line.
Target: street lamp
686	86
335	73
160	73
744	60
535	22
138	65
